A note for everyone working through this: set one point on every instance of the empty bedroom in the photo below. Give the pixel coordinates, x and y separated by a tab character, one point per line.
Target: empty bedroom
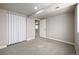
39	28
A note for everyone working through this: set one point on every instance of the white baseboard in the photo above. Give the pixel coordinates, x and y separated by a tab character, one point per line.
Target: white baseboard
61	40
31	38
1	47
42	37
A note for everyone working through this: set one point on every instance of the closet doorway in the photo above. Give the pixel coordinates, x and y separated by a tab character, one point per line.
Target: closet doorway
37	33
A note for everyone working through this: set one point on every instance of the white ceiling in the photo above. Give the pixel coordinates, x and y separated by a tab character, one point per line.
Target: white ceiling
52	10
48	9
25	8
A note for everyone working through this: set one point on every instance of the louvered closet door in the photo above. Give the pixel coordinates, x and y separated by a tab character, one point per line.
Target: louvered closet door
17	28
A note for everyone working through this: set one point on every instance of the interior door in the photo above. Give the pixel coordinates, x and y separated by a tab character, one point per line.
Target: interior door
43	28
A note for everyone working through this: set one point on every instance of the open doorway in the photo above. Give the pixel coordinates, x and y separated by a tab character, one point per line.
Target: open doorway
37	24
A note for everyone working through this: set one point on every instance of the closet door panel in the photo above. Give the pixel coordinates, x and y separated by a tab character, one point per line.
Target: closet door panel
16	28
10	29
24	28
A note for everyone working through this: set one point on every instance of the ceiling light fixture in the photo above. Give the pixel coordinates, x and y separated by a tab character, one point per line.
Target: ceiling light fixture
36	8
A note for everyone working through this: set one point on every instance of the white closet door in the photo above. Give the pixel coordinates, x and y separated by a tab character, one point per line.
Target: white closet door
22	29
17	28
43	28
10	20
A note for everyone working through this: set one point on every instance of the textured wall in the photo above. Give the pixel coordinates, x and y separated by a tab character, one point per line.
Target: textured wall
76	31
3	29
61	27
43	28
30	29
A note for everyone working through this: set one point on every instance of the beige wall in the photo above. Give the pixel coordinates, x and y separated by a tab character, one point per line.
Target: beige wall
76	33
3	29
30	29
43	28
61	27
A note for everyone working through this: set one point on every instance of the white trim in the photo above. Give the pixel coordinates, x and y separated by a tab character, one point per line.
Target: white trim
1	47
30	38
43	36
61	40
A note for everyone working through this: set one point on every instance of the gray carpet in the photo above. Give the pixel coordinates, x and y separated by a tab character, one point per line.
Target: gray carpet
39	46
